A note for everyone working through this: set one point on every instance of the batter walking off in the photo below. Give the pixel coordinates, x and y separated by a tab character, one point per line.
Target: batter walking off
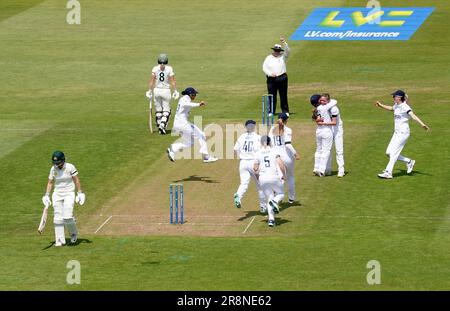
64	177
163	78
402	114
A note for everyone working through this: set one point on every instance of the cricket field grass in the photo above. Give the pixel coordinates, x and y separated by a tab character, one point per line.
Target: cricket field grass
80	89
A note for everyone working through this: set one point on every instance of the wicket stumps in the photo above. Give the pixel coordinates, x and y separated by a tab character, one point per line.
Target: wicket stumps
267	109
176	196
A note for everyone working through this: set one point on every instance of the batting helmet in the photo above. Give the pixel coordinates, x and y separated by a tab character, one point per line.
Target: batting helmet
163	59
315	100
58	157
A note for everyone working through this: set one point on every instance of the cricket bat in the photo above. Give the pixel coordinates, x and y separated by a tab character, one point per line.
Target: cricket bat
43	220
150	116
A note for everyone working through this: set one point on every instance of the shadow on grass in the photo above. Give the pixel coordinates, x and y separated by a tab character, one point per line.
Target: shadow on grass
283	206
278	221
403	173
204	179
78	242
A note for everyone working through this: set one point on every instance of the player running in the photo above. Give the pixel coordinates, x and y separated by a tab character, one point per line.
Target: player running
163	78
281	136
187	130
246	147
64	177
271	173
402	114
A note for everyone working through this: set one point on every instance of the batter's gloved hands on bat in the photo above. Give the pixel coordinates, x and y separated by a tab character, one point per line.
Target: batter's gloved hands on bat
149	94
46	200
175	95
80	198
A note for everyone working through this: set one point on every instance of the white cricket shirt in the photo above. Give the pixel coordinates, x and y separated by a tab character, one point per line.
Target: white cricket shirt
162	76
247	145
62	178
401	117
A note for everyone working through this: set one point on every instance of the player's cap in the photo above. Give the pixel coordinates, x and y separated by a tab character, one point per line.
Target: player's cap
163	59
277	47
283	116
399	93
248	122
58	157
189	91
265	140
315	100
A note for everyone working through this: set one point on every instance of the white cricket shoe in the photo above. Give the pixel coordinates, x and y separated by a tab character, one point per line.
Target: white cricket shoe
263	210
162	130
59	243
237	201
318	173
410	166
73	237
274	205
271	223
385	175
209	159
170	154
291	201
341	174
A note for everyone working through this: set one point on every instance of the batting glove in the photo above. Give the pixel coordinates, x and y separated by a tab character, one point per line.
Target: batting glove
175	95
80	198
149	94
46	200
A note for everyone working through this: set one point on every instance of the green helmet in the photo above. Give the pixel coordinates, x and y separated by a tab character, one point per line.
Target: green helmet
58	157
163	59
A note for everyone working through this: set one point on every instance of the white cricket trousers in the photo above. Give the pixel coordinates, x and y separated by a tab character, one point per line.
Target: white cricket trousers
189	132
162	99
338	137
289	162
395	147
324	142
272	187
246	172
63	203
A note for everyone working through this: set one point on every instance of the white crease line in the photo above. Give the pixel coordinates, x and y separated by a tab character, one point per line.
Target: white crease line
175	224
248	226
104	223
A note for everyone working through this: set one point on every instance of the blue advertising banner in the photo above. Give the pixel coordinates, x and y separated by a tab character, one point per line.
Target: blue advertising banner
362	23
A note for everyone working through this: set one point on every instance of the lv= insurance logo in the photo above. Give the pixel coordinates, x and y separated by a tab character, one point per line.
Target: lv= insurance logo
362	23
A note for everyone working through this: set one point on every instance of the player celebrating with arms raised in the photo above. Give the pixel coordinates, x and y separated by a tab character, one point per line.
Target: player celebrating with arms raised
402	114
281	136
186	129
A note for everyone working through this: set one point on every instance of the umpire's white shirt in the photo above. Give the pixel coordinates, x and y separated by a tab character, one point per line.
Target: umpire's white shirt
276	65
